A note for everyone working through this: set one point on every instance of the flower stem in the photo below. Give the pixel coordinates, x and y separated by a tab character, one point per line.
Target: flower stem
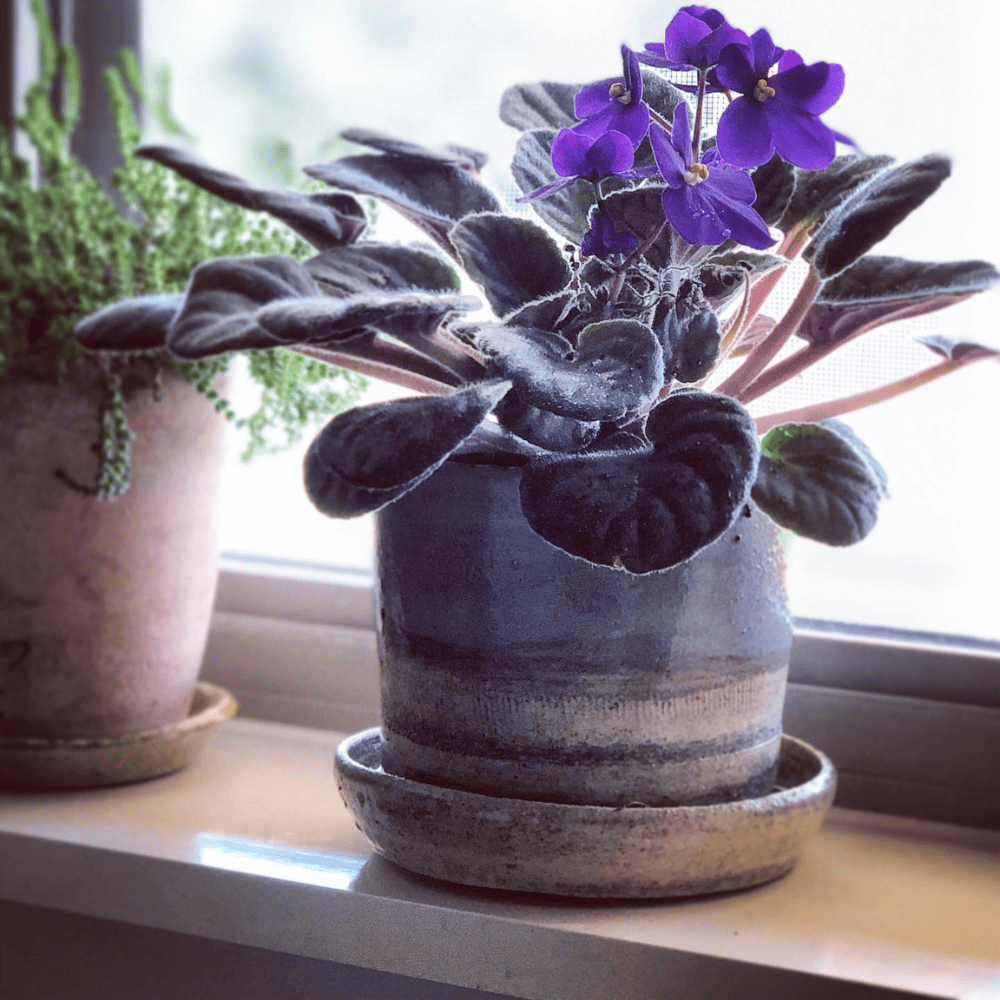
696	131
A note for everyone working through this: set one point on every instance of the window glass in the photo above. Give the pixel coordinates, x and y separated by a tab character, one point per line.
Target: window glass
265	91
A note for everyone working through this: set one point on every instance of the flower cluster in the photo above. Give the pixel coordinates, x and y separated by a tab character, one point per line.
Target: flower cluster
707	195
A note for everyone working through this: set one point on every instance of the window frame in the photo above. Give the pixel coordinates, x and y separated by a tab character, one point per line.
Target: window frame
912	721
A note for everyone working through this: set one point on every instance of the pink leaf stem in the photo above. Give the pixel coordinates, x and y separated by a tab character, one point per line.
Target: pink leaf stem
764	353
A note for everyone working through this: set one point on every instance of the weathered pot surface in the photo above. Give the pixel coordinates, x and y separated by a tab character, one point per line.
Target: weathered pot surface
104	605
511	668
596	851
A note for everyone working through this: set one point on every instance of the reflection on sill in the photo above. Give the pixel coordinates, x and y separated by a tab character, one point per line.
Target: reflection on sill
238	854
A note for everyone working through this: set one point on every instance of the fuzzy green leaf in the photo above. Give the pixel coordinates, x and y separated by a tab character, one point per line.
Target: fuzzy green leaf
651	508
432	195
138	324
323	219
817	481
817	192
616	368
372	455
528	106
567	211
514	260
380	267
323	321
460	156
221	303
871	211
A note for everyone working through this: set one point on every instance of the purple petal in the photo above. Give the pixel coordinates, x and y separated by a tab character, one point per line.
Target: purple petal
609	154
593	97
569	153
692	216
633	75
544	192
799	137
788	60
814	88
744	224
680	135
654	56
680	42
733	184
743	136
735	70
603	238
765	53
670	163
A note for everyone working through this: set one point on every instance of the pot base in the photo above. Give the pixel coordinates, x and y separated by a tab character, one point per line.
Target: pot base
59	764
579	850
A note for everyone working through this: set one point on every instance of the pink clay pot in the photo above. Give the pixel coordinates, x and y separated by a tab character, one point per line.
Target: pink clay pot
104	605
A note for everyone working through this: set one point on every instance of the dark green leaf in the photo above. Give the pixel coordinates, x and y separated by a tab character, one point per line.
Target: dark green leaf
460	156
775	184
877	279
222	299
659	94
616	369
372	455
567	210
539	427
323	219
513	259
879	290
870	212
380	267
138	324
816	192
956	349
640	211
648	509
432	195
527	106
324	321
818	483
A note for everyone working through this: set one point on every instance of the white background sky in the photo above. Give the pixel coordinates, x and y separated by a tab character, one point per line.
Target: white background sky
921	77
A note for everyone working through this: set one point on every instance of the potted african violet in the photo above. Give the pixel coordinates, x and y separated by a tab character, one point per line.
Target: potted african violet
581	615
110	464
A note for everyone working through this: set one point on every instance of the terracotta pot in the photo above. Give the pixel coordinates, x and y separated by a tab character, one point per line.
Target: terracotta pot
511	668
104	605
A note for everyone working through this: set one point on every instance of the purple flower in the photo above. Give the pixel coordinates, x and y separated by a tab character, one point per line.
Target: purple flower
776	113
615	104
693	40
575	156
603	238
707	202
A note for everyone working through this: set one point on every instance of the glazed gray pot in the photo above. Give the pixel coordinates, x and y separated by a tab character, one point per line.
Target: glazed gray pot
511	668
104	605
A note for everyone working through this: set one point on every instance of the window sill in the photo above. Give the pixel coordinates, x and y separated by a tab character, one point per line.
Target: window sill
250	845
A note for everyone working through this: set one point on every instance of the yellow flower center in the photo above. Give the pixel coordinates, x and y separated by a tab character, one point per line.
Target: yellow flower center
697	174
620	94
762	91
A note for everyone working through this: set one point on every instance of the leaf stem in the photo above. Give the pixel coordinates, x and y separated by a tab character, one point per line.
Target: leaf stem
764	353
815	412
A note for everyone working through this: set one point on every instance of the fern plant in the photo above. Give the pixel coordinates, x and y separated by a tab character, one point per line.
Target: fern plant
69	246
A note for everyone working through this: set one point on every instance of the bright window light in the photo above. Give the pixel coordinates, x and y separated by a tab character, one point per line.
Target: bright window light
247	80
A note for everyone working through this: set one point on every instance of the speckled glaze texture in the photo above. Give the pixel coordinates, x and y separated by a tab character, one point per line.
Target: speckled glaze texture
595	851
104	605
511	668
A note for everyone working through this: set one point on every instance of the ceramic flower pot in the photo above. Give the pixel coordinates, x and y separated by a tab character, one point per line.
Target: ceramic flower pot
510	668
104	605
